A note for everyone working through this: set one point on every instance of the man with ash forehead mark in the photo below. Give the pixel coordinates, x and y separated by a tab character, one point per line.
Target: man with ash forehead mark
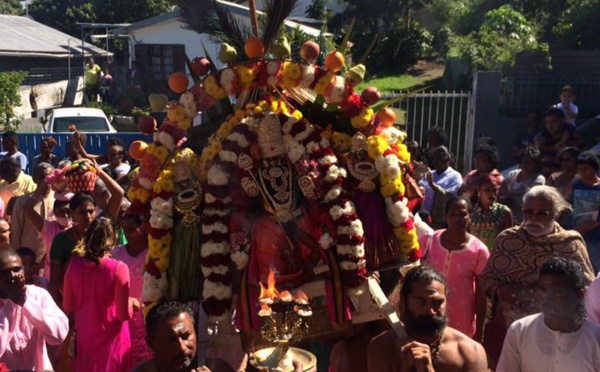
429	344
560	338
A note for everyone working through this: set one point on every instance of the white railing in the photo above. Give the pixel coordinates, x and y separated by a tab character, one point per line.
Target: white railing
452	111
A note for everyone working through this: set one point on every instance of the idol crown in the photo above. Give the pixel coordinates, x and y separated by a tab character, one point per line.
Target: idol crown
270	138
359	142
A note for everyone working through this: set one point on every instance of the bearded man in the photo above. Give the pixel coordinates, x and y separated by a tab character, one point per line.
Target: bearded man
512	271
429	344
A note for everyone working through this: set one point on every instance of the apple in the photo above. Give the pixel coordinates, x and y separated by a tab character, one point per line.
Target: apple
310	50
200	66
158	102
370	95
147	125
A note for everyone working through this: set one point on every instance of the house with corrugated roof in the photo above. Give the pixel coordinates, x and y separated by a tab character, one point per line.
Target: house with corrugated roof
45	53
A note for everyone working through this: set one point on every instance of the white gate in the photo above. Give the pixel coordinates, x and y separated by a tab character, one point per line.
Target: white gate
452	111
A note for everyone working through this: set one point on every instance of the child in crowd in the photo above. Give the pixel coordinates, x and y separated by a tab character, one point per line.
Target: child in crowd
32	268
567	106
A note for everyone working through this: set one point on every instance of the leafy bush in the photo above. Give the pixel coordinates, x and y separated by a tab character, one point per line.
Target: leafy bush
108	109
504	34
400	48
10	98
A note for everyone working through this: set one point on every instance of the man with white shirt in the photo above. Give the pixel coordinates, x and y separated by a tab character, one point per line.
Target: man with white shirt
440	184
29	318
560	338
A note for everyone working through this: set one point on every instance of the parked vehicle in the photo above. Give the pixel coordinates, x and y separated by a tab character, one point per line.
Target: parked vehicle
81	119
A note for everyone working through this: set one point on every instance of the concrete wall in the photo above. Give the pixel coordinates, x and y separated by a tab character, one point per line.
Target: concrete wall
488	119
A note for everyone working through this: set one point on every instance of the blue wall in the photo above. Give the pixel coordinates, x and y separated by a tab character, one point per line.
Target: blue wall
29	143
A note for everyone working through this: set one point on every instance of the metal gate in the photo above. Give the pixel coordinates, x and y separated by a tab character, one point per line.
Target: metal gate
452	111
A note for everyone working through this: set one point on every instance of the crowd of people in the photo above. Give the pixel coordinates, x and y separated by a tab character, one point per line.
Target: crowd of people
506	261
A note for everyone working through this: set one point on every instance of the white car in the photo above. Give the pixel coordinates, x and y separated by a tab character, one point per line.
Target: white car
81	119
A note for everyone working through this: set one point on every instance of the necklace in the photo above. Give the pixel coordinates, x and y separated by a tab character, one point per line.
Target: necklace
435	348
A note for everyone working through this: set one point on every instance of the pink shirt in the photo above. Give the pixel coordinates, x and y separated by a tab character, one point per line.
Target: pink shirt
136	269
460	269
49	231
25	330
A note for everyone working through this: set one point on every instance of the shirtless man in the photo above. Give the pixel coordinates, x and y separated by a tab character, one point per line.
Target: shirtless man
429	344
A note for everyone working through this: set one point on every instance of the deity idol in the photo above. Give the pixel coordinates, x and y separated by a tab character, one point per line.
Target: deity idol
281	235
381	246
185	283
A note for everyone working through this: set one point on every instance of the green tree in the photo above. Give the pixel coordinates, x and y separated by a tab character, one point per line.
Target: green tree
504	34
64	14
317	10
578	26
11	7
10	97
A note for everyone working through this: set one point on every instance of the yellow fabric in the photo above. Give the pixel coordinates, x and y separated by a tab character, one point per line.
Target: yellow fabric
23	185
91	75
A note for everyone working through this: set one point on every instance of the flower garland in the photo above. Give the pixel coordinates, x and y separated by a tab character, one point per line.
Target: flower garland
311	156
154	188
388	157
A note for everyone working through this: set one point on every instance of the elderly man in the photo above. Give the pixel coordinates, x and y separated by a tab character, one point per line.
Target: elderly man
29	318
512	270
14	181
429	344
560	338
23	232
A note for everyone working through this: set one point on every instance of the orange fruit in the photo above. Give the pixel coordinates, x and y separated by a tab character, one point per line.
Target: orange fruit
254	47
334	61
386	116
178	82
137	149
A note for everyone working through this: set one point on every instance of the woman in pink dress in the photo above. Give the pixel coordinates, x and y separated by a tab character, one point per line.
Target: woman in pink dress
461	257
96	294
134	255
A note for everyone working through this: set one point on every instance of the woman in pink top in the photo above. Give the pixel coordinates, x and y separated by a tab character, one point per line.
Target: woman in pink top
461	257
96	294
134	255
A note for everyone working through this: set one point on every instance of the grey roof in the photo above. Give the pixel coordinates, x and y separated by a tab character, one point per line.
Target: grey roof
22	36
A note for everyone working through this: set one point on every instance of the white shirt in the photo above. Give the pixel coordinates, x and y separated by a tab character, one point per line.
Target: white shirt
530	346
568	119
592	301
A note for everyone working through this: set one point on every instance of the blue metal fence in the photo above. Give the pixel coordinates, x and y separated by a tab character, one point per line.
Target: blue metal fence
29	143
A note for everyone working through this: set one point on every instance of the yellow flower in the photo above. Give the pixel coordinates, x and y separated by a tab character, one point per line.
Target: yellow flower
407	239
376	146
363	118
213	89
185	124
165	182
324	83
391	187
151	148
161	153
403	153
176	113
239	114
246	76
341	141
162	263
297	114
290	74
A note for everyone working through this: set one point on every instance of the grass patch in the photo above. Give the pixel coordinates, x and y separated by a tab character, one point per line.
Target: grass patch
392	82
